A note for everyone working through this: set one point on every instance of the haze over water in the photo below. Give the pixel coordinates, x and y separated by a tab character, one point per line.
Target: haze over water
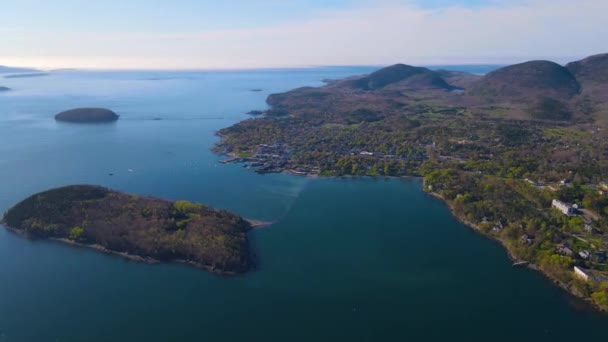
347	259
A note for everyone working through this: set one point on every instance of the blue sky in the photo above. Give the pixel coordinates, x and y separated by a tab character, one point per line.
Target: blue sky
179	15
247	33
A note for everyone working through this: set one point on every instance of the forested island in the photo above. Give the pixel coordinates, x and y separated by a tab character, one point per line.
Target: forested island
87	115
520	154
4	88
137	227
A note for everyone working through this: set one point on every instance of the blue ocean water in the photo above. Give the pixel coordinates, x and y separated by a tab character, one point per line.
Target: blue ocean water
347	259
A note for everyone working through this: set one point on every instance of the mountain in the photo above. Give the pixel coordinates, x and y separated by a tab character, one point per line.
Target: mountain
405	76
592	74
526	81
590	69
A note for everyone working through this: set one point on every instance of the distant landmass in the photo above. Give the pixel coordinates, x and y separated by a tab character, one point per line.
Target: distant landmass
36	74
6	69
520	154
4	89
87	115
140	228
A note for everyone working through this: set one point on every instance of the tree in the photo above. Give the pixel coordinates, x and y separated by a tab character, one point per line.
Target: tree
601	297
76	233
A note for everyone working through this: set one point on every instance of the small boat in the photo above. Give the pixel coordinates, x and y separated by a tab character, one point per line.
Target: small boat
130	170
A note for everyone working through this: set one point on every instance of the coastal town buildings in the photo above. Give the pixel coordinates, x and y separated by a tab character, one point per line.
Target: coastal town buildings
566	209
583	274
563	249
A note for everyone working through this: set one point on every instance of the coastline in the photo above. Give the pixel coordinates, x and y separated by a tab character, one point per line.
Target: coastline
303	174
516	262
131	257
512	257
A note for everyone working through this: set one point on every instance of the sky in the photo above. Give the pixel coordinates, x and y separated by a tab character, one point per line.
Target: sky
241	34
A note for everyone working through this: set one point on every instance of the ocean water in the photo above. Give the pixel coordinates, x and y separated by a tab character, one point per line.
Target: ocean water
347	259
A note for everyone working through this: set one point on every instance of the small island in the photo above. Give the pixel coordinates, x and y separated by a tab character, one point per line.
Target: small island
136	227
87	115
4	88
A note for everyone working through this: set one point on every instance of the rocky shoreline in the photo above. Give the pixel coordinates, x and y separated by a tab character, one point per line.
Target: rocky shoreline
137	258
516	262
514	259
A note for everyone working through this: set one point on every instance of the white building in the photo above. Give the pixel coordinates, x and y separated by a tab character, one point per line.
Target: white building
563	207
583	274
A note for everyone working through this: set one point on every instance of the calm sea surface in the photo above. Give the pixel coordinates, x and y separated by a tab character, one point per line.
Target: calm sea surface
346	260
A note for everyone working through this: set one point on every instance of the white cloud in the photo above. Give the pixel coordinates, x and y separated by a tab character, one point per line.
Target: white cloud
371	34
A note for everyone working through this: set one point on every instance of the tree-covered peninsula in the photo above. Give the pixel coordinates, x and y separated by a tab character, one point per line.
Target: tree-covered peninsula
521	153
143	228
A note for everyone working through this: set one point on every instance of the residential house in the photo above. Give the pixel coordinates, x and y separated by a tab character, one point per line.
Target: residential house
527	239
583	274
563	207
563	249
589	228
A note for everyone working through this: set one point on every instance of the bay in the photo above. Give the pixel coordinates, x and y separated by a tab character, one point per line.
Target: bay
347	259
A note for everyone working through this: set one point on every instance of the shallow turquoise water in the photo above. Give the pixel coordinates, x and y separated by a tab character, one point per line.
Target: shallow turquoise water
347	259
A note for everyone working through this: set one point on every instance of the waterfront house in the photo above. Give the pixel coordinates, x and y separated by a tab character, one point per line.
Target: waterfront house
585	254
583	274
527	239
563	249
563	207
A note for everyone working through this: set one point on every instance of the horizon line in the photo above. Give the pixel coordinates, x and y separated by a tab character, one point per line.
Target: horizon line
489	61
